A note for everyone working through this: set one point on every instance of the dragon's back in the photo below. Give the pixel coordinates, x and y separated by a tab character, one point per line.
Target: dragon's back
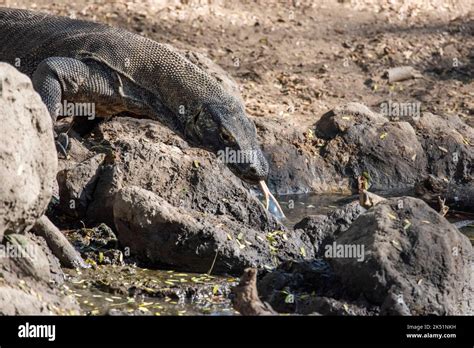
27	38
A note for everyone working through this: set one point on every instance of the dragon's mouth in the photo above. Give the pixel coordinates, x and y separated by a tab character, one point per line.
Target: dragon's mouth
271	204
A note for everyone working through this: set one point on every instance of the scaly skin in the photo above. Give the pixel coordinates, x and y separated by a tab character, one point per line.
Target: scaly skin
81	61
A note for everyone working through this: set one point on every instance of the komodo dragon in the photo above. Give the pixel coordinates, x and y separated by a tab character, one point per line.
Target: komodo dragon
81	61
118	71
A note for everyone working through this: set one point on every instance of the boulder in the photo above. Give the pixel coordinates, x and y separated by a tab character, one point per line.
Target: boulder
31	279
447	142
352	139
145	154
28	160
322	229
359	140
158	233
30	274
412	256
77	185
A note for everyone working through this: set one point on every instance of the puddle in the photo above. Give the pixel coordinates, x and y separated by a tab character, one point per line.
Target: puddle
133	290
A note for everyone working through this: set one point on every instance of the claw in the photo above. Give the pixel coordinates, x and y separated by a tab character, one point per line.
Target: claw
271	204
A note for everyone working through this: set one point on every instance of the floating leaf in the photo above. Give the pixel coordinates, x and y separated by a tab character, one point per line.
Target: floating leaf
383	135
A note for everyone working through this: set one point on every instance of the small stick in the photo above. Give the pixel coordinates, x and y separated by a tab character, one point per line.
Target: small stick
402	73
58	243
213	263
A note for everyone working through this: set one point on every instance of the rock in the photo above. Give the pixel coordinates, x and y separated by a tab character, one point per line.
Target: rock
27	168
30	274
186	194
148	155
58	244
415	263
344	117
295	163
158	233
402	73
330	306
447	142
309	287
359	140
77	185
322	229
30	280
413	257
459	196
351	139
98	244
30	261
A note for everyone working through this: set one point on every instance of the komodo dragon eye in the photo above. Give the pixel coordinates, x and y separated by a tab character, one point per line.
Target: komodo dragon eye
226	136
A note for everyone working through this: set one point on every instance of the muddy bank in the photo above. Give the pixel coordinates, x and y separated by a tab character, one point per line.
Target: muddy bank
397	154
398	258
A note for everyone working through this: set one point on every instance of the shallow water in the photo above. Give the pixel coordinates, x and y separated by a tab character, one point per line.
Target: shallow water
296	207
137	291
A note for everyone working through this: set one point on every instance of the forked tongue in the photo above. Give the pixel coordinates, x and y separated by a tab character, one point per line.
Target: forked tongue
271	204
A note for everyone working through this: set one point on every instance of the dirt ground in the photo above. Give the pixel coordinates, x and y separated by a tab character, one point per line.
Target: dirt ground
295	60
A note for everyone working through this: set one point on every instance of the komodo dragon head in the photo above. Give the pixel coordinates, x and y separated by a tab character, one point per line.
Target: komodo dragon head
223	127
